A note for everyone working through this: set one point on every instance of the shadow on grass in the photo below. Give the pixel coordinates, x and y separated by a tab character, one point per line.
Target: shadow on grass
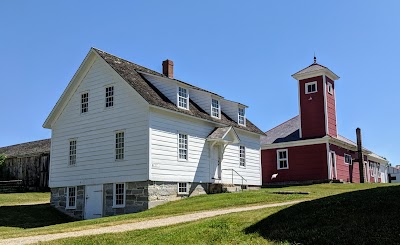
31	216
361	217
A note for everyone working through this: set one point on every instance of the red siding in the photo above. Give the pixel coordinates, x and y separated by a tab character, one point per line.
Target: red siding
312	110
344	170
331	109
305	163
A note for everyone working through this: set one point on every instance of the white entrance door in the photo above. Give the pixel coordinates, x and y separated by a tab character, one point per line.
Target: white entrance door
216	160
94	201
333	165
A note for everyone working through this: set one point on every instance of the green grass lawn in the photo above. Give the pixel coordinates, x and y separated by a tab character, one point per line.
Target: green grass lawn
367	216
11	199
188	205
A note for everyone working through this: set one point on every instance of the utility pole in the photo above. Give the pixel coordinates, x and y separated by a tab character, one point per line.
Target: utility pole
360	155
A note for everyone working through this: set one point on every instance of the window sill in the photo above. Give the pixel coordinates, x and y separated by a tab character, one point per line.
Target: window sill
119	206
70	208
282	168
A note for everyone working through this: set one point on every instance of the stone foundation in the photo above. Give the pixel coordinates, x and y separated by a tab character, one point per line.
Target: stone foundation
140	196
59	197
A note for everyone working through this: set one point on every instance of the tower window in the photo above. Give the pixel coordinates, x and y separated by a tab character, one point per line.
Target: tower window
311	87
330	88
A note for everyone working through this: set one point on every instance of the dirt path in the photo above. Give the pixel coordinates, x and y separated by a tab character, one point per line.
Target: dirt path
139	225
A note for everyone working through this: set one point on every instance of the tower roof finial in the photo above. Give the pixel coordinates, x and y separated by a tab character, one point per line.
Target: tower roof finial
315	59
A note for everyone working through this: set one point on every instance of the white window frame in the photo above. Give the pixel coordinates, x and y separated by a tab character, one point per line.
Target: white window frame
310	84
84	104
67	205
115	205
119	153
242	118
351	160
330	88
109	96
178	97
186	188
242	156
278	159
184	148
214	109
72	152
371	169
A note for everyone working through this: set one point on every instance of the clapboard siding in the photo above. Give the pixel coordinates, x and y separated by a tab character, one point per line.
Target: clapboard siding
230	109
165	165
169	89
202	99
95	133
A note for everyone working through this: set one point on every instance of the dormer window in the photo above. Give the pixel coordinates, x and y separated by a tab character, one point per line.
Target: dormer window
241	117
183	98
311	87
215	108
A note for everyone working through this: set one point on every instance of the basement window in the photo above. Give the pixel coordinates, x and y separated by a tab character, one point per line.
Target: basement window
347	159
282	159
71	198
183	188
119	195
311	87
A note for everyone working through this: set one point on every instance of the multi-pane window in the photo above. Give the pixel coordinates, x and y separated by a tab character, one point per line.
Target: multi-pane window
119	145
241	116
84	102
183	98
347	159
242	155
110	96
183	146
71	197
282	159
311	87
72	152
182	188
119	194
215	108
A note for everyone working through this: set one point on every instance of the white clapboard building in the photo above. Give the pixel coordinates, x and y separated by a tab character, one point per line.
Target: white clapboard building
126	138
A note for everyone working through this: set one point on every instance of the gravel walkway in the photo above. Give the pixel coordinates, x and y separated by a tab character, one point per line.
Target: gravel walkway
139	225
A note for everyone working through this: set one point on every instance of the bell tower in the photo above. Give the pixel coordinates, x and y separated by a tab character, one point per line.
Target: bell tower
317	101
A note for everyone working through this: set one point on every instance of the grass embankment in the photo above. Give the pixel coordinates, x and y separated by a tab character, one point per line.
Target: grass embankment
366	216
189	205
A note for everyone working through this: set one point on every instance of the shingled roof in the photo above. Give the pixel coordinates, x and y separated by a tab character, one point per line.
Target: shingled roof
285	132
315	68
130	72
26	149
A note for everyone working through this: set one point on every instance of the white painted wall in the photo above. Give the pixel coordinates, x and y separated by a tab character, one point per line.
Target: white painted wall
201	99
95	133
164	163
169	89
230	109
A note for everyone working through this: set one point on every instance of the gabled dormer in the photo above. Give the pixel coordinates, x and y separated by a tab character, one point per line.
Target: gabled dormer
235	111
317	101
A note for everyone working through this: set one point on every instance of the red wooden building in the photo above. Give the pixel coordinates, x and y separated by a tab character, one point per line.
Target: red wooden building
308	146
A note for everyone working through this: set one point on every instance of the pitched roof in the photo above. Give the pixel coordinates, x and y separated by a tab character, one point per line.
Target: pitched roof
130	72
26	149
285	132
314	68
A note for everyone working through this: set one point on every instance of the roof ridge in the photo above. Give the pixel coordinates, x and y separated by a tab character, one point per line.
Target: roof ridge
281	124
140	66
35	141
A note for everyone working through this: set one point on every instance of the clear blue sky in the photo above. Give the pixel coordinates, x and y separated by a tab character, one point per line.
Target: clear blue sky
244	50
